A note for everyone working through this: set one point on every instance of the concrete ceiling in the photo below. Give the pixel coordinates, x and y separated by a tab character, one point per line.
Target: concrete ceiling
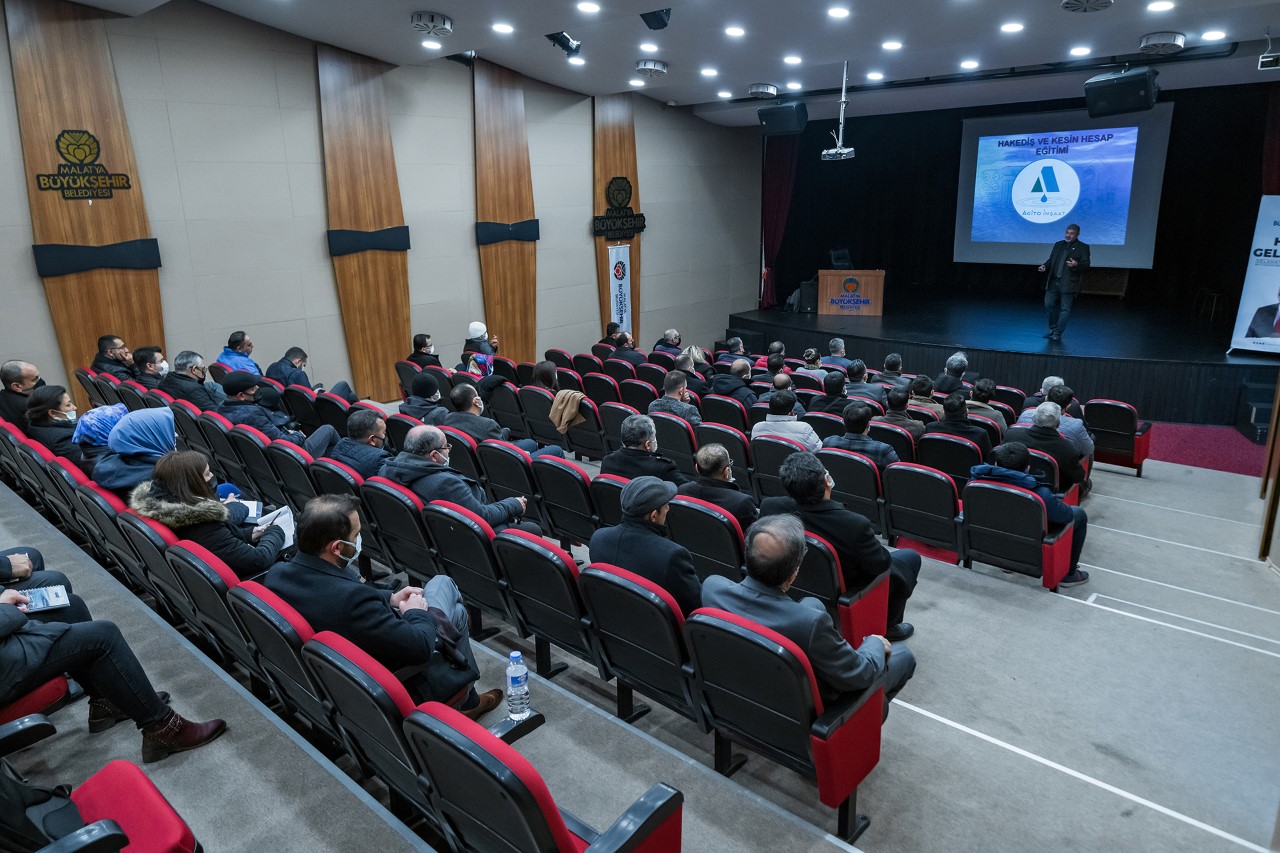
936	36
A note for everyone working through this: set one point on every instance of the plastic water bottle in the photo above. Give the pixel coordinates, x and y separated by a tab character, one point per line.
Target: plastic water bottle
517	688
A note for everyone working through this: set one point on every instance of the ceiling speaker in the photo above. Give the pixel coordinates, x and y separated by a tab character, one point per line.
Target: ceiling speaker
1128	91
788	118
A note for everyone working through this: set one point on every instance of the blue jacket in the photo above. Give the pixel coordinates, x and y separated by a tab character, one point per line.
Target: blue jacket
366	459
432	481
239	361
1057	511
286	374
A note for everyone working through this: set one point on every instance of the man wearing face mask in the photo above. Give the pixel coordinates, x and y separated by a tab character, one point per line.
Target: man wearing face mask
470	418
424	352
243	406
425	628
638	456
424	400
292	370
149	367
18	378
715	485
188	381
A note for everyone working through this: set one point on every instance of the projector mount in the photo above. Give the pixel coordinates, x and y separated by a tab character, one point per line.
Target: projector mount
840	152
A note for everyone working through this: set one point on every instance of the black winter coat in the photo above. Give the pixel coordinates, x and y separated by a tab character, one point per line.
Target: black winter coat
643	547
208	524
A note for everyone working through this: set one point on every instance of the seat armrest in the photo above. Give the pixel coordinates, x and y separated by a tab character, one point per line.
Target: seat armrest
1142	428
633	828
510	730
103	836
24	731
842	709
856	595
1055	532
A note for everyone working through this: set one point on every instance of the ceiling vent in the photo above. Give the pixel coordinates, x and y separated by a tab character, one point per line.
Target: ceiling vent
651	68
1162	44
432	24
762	90
1087	5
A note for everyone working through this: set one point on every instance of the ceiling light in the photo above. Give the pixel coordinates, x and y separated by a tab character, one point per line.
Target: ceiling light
649	47
793	85
431	45
577	60
892	45
791	60
1011	27
1213	35
590	8
503	28
1159	6
1080	51
838	12
636	81
709	72
875	75
724	94
969	64
736	32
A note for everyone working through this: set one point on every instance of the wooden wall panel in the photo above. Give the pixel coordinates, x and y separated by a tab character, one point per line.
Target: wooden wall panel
504	193
65	80
363	194
615	155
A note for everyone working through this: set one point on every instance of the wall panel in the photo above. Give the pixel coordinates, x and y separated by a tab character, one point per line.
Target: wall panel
615	156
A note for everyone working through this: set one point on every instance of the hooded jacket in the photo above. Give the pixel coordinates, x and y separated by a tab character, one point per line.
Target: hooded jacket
136	442
427	411
728	385
208	523
1057	511
433	481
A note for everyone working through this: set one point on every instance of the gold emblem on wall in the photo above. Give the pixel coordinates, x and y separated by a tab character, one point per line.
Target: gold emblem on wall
81	175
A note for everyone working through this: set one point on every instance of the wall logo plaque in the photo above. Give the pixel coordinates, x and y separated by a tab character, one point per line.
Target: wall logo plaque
619	221
81	175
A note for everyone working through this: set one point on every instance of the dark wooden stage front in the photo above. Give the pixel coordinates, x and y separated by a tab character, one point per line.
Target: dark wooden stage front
1171	366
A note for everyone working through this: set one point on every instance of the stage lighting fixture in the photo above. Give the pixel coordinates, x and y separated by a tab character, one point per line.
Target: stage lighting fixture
562	40
656	20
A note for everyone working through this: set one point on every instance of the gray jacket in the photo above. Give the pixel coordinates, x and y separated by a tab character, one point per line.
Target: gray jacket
788	427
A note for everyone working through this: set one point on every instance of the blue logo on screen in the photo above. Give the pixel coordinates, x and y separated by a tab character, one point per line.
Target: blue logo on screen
1045	190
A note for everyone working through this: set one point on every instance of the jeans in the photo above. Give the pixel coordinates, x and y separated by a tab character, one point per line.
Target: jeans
1058	304
343	390
96	655
531	447
320	442
77	611
1079	527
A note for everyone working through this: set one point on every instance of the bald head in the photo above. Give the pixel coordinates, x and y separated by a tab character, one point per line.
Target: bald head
424	440
775	547
19	376
741	368
781	382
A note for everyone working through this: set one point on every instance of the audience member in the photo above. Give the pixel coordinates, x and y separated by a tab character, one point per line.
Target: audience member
896	413
715	484
775	348
638	456
236	354
892	371
833	399
782	382
424	400
545	375
775	549
858	386
979	402
93	429
18	378
625	350
189	381
735	383
468	417
1042	396
951	379
675	399
922	395
668	343
734	350
857	423
1071	426
424	352
696	355
364	447
694	380
113	357
22	569
422	466
292	370
51	420
1011	464
1043	435
149	367
641	543
837	358
244	406
478	340
610	333
135	444
862	557
782	421
812	365
955	421
424	628
181	495
776	364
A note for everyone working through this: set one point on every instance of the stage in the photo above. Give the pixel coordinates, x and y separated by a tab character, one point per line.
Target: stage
1170	365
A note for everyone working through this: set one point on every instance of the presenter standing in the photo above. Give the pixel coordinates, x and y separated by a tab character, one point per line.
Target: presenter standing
1065	267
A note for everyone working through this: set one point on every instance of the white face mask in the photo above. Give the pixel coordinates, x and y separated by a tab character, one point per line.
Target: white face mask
164	368
69	416
479	405
349	560
831	484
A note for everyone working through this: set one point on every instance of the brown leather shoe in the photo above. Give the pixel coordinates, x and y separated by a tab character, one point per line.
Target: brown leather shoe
103	715
175	734
488	701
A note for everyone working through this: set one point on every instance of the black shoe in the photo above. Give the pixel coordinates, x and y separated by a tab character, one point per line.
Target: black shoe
900	632
1075	578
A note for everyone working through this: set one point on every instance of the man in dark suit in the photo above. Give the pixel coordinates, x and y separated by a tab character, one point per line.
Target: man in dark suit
955	421
858	385
291	369
1263	324
469	417
862	557
693	379
113	357
187	382
1043	435
833	399
626	350
408	628
638	456
715	485
775	548
735	383
424	352
640	543
18	377
1065	270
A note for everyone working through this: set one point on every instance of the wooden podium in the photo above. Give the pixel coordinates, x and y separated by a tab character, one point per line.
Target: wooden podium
856	293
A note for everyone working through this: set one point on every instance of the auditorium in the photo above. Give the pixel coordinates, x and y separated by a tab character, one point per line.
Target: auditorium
562	426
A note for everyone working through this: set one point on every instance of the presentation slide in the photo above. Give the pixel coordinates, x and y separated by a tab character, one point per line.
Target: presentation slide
1023	179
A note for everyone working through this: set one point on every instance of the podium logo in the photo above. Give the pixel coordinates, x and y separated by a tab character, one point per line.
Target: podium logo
81	176
852	285
1045	191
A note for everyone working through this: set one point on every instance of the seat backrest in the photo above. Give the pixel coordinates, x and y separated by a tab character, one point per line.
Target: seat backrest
537	404
921	414
331	477
157	399
663	359
611	417
464	552
1044	468
897	438
654	374
713	537
405	371
1010	396
101	509
130	393
769	452
184	423
733	440
602	351
215	429
542	581
638	394
825	424
559	357
568	379
207	580
586	438
920	503
989	426
250	445
107	388
524	373
217	370
290	462
820	574
463	454
398	427
857	482
300	402
397	514
566	498
677	440
510	472
333	410
504	406
718	409
91	389
586	363
602	388
606	492
1113	424
149	540
619	369
953	455
1004	524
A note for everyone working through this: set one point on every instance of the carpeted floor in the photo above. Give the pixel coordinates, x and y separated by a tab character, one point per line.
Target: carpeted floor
1220	448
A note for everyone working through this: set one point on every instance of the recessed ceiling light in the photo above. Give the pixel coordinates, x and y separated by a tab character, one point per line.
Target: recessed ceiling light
874	75
588	7
1011	27
1213	35
838	12
1159	6
503	28
736	32
791	60
636	81
709	72
577	60
892	45
793	85
969	64
648	47
724	94
1080	51
431	45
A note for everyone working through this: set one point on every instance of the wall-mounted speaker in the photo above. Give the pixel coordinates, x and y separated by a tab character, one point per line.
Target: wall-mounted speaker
788	118
1128	91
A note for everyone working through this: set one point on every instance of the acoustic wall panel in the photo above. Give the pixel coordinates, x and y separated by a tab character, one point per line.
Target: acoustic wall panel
615	157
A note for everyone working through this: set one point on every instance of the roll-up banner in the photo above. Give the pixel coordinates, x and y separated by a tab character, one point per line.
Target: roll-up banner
620	286
1258	320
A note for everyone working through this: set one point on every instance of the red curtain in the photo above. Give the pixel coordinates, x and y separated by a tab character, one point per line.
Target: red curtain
775	203
1271	145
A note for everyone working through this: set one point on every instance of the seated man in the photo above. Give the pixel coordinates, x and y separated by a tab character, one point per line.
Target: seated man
955	421
782	382
857	423
23	569
642	545
736	383
625	350
187	381
776	363
775	549
18	378
781	420
834	398
775	348
734	350
979	402
424	352
693	379
675	399
1071	426
638	456
149	367
896	413
837	358
922	395
364	448
469	418
610	334
236	354
715	484
422	466
292	370
951	379
242	406
862	557
113	357
426	628
669	343
859	386
1042	396
1011	464
1043	435
424	400
892	371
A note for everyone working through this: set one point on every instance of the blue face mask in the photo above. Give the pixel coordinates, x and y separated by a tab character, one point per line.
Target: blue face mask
347	561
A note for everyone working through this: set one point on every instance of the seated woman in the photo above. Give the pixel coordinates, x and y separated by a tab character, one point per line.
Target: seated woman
700	364
51	420
544	376
813	365
180	495
93	428
135	444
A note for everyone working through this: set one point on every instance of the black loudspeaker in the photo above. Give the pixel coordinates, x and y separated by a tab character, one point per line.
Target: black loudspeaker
808	302
788	118
1128	91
